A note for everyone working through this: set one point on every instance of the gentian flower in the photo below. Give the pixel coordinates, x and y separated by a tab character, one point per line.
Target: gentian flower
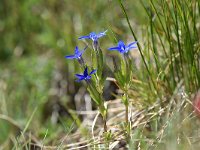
85	75
94	37
122	48
77	54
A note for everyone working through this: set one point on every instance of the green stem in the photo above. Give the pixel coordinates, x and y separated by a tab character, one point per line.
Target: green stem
126	114
126	117
105	125
128	123
103	112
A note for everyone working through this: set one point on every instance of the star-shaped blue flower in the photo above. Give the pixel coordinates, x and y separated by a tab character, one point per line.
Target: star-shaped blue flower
77	54
93	36
85	75
122	48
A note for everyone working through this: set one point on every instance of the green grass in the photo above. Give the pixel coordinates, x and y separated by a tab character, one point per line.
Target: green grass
39	100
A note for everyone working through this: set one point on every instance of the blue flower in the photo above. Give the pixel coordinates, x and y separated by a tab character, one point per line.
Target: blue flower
85	75
93	36
122	48
77	54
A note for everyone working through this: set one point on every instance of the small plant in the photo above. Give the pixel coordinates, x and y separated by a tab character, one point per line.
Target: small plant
123	74
95	86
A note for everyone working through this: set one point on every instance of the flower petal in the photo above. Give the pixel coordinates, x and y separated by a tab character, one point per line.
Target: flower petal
93	71
70	57
85	72
79	80
129	48
84	37
123	51
132	44
121	44
76	51
79	75
132	47
100	34
88	78
114	48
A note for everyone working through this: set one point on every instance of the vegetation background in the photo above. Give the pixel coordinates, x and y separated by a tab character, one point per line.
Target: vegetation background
38	92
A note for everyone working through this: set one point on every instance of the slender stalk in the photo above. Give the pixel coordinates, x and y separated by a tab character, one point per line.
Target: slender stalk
103	112
128	123
128	77
155	52
177	35
100	64
156	29
126	115
81	62
171	49
159	36
105	125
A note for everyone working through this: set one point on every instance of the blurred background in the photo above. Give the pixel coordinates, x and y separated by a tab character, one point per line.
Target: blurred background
35	78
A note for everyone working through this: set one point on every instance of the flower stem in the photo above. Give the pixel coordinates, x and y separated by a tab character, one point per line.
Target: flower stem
103	112
105	125
128	123
126	115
